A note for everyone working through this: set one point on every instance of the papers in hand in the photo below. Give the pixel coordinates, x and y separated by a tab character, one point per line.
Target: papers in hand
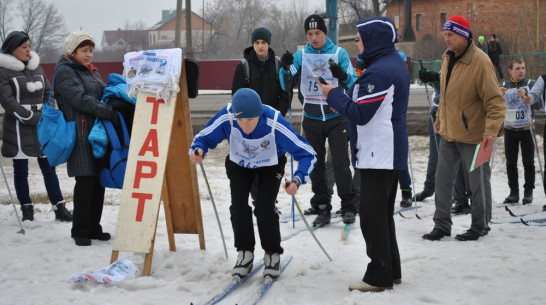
481	155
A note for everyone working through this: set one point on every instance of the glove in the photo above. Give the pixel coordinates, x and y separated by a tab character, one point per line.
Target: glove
360	65
337	71
286	60
428	76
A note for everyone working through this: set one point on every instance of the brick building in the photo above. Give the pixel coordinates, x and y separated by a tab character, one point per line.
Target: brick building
519	25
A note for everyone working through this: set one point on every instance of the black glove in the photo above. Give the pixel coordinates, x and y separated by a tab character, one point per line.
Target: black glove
428	76
286	60
337	71
360	65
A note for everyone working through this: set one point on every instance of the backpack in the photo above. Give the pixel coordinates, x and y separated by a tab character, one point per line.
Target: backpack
113	176
246	68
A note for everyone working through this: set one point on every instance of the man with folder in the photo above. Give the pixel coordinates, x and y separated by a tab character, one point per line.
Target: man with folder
471	110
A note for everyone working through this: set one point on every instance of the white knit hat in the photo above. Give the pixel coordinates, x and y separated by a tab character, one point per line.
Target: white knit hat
73	41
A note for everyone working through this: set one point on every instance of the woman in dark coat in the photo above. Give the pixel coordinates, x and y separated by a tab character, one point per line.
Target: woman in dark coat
78	89
23	90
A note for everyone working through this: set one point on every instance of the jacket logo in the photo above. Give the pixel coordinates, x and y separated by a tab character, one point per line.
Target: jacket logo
370	88
238	113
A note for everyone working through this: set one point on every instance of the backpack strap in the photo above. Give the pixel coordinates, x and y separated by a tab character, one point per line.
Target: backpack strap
246	70
543	87
277	65
112	134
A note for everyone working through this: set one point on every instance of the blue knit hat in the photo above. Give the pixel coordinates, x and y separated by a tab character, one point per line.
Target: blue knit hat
246	103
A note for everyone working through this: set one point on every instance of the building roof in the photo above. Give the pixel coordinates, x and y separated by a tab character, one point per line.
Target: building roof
132	37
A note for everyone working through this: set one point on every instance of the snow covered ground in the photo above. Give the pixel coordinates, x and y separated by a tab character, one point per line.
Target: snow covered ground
504	267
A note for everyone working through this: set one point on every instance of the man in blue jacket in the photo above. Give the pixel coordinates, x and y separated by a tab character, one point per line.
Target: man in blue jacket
376	107
322	58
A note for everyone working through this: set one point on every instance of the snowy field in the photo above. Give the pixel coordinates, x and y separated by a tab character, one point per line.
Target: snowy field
503	267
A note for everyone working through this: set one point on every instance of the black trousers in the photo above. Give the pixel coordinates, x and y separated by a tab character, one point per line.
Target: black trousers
335	130
88	203
513	140
240	183
377	198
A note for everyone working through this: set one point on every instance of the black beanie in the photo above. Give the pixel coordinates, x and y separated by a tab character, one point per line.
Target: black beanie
315	22
261	33
13	41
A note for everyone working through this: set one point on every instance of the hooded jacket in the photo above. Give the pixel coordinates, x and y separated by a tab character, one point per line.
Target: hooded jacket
23	91
263	80
377	103
78	91
471	103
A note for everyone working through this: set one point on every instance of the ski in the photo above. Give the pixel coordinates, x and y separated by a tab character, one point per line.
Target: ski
231	286
405	209
534	222
268	282
346	231
519	215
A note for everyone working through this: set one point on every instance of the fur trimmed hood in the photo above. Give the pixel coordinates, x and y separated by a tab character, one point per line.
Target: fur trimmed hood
10	62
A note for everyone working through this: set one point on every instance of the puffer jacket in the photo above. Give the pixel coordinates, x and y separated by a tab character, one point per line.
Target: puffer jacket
78	91
23	90
471	104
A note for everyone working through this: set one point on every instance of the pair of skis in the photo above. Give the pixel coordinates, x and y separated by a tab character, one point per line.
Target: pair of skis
236	282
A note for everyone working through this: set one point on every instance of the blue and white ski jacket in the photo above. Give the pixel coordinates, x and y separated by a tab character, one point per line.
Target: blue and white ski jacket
286	138
377	103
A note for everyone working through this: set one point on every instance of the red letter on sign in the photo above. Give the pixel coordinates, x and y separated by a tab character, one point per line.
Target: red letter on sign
139	174
155	109
150	144
142	197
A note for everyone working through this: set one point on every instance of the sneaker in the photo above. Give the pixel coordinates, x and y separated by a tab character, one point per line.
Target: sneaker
527	197
82	241
406	199
323	218
348	217
461	208
435	234
101	236
513	197
61	213
468	235
311	211
244	264
272	265
365	287
28	211
423	195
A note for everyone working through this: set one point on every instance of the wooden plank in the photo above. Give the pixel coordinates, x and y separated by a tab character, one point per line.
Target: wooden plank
168	217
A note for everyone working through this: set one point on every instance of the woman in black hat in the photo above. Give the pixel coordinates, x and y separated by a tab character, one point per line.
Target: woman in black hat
23	90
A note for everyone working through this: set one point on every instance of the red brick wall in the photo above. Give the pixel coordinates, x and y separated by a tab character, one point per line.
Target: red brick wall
514	22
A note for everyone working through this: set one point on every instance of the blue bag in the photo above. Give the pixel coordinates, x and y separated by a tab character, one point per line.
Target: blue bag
56	136
113	176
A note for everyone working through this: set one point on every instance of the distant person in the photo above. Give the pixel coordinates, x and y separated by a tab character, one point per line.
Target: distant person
471	109
78	90
482	45
494	51
259	138
24	88
518	133
321	57
537	97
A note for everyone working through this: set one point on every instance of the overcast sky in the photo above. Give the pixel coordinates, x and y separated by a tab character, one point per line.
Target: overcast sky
96	16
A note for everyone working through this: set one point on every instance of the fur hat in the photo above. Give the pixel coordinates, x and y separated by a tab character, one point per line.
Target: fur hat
315	22
73	41
246	103
458	25
261	33
13	41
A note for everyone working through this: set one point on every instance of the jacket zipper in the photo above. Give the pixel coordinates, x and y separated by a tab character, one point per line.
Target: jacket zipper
83	124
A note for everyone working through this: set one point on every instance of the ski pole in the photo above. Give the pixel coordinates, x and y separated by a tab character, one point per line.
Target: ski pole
292	172
22	231
213	204
307	225
535	142
412	180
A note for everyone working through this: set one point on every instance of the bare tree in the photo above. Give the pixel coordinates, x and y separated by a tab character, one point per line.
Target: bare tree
43	22
5	18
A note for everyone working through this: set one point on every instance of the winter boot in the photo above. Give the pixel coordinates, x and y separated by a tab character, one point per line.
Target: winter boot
242	268
272	265
527	196
423	195
323	218
513	197
348	217
406	199
28	211
544	208
461	208
61	213
311	211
